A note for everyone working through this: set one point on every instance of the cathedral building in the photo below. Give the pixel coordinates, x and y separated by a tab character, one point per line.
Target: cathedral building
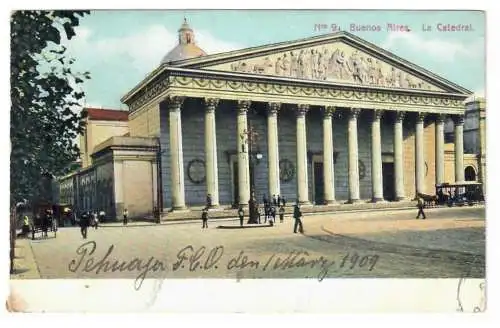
324	121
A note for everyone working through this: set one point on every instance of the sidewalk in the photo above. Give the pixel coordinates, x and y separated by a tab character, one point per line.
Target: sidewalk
25	266
194	216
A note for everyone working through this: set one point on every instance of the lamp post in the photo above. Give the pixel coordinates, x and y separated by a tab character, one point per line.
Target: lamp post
255	158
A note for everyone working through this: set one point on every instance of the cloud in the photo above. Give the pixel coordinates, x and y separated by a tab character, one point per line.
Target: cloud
142	50
442	50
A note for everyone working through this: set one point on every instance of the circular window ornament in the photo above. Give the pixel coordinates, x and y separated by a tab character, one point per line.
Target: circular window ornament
287	170
196	171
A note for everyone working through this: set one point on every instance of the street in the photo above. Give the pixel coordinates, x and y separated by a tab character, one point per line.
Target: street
450	243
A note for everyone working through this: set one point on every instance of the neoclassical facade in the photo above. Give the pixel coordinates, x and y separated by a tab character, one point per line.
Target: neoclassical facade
332	118
324	120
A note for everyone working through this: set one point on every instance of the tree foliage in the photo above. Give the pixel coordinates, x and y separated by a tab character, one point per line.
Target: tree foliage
45	96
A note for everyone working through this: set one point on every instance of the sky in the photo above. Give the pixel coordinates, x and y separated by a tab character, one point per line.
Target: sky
119	48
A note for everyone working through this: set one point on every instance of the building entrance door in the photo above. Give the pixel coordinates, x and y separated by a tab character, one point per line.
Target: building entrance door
388	181
319	188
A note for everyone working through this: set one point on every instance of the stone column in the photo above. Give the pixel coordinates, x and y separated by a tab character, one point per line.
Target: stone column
440	149
273	149
302	182
482	144
176	156
377	181
399	185
459	148
419	154
328	166
212	177
243	154
352	141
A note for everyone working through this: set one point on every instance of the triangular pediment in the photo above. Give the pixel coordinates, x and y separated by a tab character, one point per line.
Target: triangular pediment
340	57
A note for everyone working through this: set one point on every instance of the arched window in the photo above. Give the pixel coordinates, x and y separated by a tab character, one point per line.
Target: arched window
470	174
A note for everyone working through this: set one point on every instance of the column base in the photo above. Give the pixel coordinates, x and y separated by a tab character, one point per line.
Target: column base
179	209
378	200
305	203
216	207
331	202
402	198
354	201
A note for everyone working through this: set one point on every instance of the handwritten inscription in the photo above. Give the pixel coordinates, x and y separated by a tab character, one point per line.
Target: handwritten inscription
87	263
191	259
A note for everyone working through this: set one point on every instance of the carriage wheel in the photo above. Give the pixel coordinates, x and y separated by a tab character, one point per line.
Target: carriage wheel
32	233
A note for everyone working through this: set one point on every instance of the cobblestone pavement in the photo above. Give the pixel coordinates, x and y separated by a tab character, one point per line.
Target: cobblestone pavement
450	243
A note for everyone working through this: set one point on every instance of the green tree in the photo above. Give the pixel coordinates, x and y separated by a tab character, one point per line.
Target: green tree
44	93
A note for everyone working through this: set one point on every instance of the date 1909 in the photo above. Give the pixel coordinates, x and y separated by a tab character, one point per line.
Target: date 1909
210	259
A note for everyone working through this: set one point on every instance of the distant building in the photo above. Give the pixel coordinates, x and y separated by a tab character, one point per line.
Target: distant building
100	125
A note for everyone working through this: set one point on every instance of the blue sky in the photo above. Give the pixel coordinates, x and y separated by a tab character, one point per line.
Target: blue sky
120	48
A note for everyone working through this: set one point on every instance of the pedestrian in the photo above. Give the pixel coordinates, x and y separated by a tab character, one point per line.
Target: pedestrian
275	200
282	213
84	224
241	214
102	216
204	218
283	199
265	200
279	200
209	201
273	214
95	219
297	214
125	216
420	205
26	226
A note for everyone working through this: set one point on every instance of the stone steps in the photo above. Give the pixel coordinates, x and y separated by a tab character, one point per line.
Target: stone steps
228	212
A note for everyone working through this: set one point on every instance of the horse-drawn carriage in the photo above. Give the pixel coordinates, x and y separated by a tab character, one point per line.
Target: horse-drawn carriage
43	222
459	194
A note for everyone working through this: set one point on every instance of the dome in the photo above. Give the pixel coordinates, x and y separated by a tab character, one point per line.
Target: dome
186	48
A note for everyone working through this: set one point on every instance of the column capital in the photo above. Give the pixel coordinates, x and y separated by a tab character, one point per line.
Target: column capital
377	114
441	118
273	108
400	115
421	117
354	113
211	104
243	106
328	111
175	103
458	119
301	110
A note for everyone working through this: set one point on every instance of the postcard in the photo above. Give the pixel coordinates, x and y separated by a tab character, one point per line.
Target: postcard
285	160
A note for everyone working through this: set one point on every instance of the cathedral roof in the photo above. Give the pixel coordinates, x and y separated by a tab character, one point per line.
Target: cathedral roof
186	48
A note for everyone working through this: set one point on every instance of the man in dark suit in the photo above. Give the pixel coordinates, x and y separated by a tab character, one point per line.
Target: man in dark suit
241	214
204	218
84	223
297	214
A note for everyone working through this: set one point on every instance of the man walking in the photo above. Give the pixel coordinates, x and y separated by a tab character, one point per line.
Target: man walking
282	213
272	211
241	214
125	217
420	205
84	224
204	218
297	214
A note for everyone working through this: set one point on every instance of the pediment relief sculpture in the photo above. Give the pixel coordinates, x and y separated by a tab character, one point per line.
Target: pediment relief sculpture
334	62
